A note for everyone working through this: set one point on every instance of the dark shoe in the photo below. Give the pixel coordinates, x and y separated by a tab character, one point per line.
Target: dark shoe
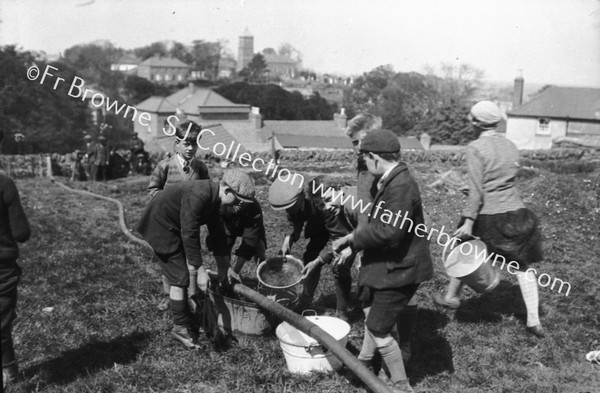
186	336
440	300
537	331
164	304
401	387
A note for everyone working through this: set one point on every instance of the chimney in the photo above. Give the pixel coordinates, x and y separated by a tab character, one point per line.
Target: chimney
517	98
255	117
341	119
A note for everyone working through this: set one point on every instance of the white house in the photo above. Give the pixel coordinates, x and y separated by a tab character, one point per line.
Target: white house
554	113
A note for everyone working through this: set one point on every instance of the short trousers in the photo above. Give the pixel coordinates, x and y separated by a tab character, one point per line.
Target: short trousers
386	305
174	267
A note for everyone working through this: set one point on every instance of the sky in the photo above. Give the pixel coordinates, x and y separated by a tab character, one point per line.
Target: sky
550	41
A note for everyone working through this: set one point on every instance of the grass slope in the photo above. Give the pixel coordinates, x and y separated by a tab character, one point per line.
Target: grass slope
88	320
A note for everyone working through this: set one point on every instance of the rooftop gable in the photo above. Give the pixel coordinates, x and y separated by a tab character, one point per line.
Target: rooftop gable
563	102
157	104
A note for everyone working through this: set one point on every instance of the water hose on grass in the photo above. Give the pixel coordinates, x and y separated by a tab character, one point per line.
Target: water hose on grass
305	326
299	322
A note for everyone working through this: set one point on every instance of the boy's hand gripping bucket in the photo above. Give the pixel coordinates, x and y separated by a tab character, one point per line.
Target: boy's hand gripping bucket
468	263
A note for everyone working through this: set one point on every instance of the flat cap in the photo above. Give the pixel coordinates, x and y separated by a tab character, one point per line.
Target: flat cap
380	141
283	194
87	137
487	113
241	184
101	138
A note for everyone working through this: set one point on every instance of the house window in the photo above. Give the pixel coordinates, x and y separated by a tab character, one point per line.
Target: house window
543	126
180	77
168	77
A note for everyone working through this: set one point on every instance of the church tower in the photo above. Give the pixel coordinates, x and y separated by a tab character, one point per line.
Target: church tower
245	50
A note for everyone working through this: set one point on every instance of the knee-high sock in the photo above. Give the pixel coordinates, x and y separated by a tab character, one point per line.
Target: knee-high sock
454	288
368	348
529	290
391	357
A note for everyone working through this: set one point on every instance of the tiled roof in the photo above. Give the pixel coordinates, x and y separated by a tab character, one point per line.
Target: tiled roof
128	59
157	105
221	134
255	140
156	61
189	99
561	102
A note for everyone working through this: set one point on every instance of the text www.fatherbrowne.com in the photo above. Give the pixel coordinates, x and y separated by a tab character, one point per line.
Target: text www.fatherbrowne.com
401	219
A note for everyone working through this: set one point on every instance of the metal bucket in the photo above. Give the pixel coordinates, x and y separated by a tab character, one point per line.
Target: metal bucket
242	317
286	266
303	353
468	263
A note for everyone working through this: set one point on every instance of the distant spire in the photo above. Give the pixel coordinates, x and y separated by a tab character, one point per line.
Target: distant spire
247	33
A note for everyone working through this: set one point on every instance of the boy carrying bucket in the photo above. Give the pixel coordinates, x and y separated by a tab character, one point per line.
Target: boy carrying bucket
395	261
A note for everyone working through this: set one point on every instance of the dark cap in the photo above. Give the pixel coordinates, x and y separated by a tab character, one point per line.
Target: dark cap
380	141
241	184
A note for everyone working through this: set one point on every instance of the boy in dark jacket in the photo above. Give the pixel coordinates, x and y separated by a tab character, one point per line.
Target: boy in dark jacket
171	225
14	228
396	255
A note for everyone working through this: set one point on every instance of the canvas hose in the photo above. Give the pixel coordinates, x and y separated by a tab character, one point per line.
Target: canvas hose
298	321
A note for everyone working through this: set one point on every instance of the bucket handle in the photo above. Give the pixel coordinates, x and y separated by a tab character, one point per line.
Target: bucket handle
312	346
307	311
446	251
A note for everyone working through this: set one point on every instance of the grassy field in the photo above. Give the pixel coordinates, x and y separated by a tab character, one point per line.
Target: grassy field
88	320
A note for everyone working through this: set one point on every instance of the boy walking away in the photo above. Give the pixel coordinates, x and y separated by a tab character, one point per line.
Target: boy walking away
395	261
171	225
14	228
183	166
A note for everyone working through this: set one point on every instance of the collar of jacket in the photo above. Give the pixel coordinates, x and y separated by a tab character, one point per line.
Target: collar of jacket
401	167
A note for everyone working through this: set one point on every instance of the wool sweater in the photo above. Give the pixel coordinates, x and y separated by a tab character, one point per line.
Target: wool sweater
492	162
14	226
169	171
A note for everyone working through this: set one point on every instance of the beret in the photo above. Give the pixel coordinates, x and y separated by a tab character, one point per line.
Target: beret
380	141
486	112
241	184
283	194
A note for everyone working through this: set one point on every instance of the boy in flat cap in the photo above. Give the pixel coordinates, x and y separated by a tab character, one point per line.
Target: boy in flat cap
395	259
171	225
243	219
14	228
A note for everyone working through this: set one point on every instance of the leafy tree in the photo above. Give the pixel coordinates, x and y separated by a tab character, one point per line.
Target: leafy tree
277	103
448	124
156	48
456	83
207	55
269	51
255	70
286	49
49	119
92	62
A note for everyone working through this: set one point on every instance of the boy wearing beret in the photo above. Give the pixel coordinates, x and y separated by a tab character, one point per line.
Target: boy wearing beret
171	225
395	261
14	228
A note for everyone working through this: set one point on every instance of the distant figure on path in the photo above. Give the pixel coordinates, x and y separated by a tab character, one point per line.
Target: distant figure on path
100	161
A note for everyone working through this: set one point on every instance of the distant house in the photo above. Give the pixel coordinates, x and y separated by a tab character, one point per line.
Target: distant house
555	112
280	66
165	70
126	63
